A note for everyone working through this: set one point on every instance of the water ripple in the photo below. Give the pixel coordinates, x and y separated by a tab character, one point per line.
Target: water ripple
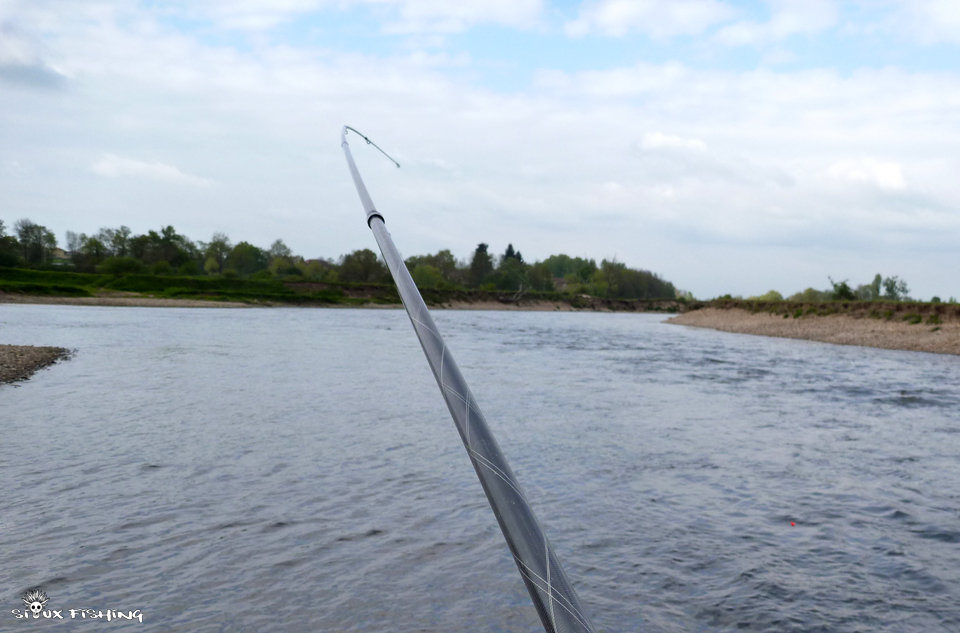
296	470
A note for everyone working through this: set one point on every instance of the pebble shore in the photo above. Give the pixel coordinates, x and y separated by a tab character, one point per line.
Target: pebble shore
19	362
840	329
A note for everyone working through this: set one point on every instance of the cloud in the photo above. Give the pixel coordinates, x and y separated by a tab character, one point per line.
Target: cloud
885	175
21	61
658	140
656	18
416	16
929	21
788	17
396	16
35	76
111	166
665	165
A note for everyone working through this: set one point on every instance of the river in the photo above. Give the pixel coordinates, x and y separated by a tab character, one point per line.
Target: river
297	470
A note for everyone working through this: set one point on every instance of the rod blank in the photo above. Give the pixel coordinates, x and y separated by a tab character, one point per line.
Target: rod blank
553	596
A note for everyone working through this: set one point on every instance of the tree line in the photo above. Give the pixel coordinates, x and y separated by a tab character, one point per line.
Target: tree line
882	288
165	252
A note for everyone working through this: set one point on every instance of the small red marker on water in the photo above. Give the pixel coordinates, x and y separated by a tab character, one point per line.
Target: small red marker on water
793	524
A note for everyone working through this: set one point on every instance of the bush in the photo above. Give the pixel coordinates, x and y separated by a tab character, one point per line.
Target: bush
162	267
121	266
810	295
9	259
841	291
772	295
189	269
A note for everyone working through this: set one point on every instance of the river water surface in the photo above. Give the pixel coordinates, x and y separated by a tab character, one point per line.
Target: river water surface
297	470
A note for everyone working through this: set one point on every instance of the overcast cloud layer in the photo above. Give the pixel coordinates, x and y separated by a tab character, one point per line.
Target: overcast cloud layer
731	147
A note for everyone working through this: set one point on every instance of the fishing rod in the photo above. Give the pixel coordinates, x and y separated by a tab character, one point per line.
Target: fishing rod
553	596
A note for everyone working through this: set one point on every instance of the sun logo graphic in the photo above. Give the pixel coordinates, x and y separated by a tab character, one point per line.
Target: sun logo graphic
35	600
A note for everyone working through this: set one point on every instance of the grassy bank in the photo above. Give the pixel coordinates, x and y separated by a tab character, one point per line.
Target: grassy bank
46	283
911	312
67	284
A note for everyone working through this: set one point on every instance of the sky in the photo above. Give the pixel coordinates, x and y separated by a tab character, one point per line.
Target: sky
731	147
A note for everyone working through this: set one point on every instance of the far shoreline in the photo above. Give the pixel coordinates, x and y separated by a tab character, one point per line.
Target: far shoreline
883	326
578	304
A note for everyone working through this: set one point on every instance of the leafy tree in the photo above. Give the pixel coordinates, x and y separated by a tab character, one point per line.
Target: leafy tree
540	277
563	265
869	292
9	248
167	245
73	242
117	240
511	275
512	254
875	287
282	261
841	291
427	276
279	249
772	295
444	261
176	249
218	249
363	266
810	295
283	267
895	289
318	270
481	266
616	281
93	248
246	259
35	241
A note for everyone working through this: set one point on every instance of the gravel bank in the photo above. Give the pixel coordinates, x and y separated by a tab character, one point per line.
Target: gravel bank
19	362
841	329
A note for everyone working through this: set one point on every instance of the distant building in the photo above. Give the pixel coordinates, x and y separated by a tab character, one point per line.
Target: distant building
60	257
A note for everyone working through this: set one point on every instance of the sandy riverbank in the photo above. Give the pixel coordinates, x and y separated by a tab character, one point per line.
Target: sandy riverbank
841	329
19	362
117	299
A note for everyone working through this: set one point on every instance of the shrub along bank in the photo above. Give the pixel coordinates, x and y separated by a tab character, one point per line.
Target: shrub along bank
913	312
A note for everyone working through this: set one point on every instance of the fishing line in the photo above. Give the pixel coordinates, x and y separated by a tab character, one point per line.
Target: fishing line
552	594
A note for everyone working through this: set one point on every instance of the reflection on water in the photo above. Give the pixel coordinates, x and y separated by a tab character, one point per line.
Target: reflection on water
296	470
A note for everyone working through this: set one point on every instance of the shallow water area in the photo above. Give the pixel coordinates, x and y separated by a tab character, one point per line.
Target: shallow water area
297	470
